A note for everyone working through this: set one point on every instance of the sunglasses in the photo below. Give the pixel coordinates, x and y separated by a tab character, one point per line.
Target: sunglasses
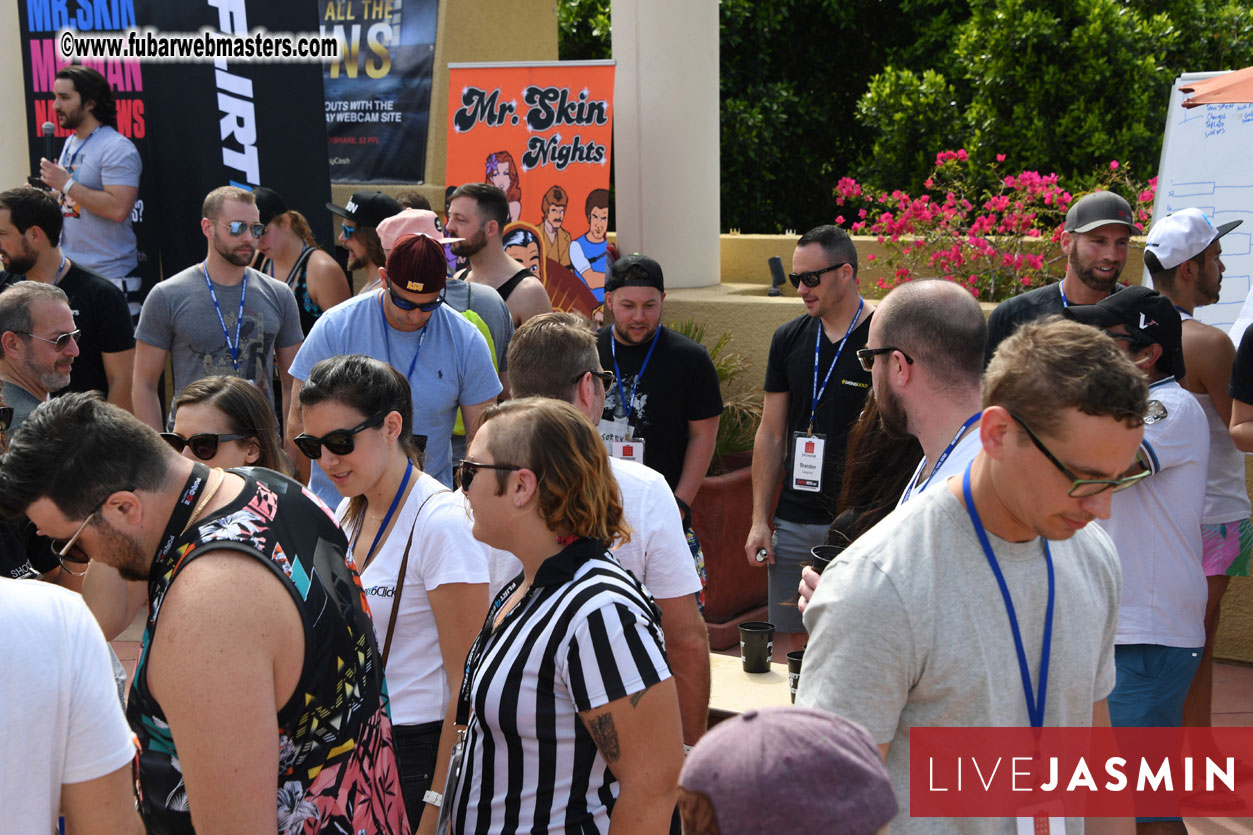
866	356
466	470
61	547
204	446
1084	487
347	230
61	342
339	442
606	377
238	227
6	417
405	304
811	278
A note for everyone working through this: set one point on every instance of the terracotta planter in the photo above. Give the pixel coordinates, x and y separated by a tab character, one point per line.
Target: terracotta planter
721	517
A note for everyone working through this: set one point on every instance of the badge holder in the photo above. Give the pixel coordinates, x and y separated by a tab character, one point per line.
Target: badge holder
808	450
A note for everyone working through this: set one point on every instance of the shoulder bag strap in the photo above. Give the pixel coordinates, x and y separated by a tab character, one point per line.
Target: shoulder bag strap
400	578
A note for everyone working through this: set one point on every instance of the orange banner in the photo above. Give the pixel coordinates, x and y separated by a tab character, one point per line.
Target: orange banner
542	133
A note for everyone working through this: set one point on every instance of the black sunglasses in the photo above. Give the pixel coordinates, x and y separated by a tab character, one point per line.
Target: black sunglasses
405	304
466	470
60	343
811	278
204	446
339	442
866	356
6	418
1084	487
606	377
238	227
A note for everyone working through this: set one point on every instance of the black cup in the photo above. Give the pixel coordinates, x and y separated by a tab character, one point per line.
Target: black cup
794	671
756	645
824	554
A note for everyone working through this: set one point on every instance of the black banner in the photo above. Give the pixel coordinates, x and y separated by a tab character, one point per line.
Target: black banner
378	95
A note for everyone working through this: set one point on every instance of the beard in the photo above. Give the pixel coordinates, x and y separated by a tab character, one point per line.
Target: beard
470	246
892	414
125	554
49	378
23	263
230	255
1089	278
71	119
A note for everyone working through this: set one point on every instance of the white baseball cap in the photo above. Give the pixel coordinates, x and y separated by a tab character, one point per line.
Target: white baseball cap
1183	235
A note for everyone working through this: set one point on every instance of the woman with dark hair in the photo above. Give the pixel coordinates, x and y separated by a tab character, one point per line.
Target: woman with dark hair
290	253
424	575
570	710
226	422
502	172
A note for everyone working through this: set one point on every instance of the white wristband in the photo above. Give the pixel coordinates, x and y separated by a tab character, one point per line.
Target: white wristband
69	184
434	798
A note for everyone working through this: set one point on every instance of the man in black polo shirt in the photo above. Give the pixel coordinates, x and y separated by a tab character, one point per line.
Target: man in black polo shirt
1098	229
30	227
664	407
815	389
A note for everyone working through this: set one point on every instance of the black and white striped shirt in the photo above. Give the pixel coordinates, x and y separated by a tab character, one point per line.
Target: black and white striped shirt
585	634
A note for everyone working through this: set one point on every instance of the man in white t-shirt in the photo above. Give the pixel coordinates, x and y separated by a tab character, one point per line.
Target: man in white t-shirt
76	756
924	353
911	627
555	355
1157	523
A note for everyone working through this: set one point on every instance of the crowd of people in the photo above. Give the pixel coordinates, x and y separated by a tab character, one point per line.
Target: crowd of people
421	558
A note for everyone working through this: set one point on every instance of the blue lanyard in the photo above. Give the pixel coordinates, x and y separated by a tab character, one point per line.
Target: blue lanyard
1062	290
400	491
56	279
818	392
69	166
387	341
239	320
939	462
1035	704
622	399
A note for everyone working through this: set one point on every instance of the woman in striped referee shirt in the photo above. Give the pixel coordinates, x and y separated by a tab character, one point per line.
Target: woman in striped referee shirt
573	717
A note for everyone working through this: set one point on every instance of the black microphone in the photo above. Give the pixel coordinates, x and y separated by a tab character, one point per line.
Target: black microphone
48	130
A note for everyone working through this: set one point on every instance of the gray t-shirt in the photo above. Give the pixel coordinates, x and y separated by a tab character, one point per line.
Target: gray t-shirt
105	158
178	316
491	308
22	401
908	628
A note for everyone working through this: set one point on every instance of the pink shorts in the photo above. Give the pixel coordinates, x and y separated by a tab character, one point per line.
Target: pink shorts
1225	548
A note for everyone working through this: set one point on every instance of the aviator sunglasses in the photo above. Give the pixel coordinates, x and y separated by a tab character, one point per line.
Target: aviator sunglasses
467	469
204	446
811	278
238	227
339	442
61	342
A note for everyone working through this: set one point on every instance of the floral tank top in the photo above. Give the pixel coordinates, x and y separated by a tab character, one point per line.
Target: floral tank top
337	764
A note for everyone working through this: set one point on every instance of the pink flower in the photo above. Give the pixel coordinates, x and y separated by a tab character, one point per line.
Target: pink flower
870	257
839	220
1113	165
962	155
1000	157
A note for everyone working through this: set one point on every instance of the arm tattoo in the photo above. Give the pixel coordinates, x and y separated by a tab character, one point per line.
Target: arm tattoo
605	735
635	698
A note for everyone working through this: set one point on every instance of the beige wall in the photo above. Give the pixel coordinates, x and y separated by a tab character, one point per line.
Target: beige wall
14	143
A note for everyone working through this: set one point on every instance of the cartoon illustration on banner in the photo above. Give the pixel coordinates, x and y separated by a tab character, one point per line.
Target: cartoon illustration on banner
542	135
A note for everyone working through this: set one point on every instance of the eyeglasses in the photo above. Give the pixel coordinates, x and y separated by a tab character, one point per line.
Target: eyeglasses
238	227
347	230
61	342
1137	343
405	304
1084	487
62	547
811	278
6	417
204	446
606	377
866	356
339	442
466	470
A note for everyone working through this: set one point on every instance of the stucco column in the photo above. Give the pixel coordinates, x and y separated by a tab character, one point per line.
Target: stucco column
14	165
666	135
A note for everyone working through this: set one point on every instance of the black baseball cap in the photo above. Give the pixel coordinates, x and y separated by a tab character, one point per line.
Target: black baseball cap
1145	313
269	204
635	270
367	208
1099	209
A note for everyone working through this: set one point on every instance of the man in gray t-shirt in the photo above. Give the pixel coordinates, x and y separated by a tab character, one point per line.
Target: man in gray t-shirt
909	626
219	316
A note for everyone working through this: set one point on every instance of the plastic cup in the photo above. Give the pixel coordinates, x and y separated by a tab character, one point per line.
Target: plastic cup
756	646
823	555
794	671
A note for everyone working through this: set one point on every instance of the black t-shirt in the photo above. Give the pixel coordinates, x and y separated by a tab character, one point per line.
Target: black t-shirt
790	369
100	312
1014	312
1241	385
21	549
678	385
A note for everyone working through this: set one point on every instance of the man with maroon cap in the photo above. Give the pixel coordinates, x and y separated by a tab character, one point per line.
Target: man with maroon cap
406	324
1098	229
358	231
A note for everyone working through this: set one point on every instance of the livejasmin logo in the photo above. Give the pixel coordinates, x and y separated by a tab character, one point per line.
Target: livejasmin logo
1022	776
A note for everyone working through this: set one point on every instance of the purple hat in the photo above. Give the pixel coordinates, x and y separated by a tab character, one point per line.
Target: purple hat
791	769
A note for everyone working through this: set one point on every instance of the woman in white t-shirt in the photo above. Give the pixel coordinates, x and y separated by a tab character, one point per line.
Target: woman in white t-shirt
357	415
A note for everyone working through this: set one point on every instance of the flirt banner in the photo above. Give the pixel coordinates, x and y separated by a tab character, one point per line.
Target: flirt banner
542	133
